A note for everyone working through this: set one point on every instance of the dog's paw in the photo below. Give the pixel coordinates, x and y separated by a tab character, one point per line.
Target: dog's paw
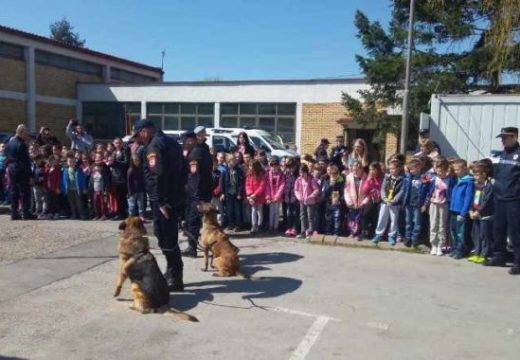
213	266
117	291
203	269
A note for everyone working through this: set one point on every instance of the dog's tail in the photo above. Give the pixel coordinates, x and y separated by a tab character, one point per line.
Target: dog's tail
181	315
249	277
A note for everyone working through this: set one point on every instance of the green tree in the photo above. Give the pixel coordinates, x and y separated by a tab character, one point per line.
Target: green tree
62	30
459	46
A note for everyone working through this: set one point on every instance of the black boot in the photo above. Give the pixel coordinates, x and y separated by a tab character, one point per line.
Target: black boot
189	252
174	281
515	270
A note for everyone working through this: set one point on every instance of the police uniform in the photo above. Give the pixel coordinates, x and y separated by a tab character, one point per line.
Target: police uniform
336	155
199	188
165	178
19	166
506	189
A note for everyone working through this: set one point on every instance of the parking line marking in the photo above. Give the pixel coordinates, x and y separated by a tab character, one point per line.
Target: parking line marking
298	312
310	338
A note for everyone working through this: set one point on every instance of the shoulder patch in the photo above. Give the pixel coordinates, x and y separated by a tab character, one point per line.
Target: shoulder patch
152	159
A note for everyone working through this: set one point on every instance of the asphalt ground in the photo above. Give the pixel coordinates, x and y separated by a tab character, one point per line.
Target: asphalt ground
315	302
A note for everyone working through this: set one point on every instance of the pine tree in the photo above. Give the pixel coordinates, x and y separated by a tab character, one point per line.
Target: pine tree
61	30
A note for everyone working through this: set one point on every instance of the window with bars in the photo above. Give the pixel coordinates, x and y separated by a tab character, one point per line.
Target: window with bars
277	118
181	116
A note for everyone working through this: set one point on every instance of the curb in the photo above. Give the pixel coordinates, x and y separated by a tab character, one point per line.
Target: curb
332	240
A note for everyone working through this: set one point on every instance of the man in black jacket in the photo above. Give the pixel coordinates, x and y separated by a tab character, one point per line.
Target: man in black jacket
165	177
506	188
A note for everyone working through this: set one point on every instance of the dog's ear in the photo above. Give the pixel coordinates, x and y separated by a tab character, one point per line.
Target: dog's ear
122	225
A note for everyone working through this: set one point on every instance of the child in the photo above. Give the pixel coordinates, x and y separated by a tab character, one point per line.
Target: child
275	189
372	190
52	184
290	204
255	193
136	188
332	196
73	184
233	193
307	192
461	198
481	213
438	200
3	166
39	191
217	191
392	192
98	193
354	197
416	190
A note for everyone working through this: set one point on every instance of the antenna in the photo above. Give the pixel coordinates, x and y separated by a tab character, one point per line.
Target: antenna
162	58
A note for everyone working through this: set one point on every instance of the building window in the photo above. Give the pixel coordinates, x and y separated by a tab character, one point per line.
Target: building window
11	51
278	119
108	120
181	116
65	62
129	77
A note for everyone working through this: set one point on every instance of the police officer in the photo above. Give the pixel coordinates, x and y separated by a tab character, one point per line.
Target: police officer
199	187
19	166
507	200
338	152
165	177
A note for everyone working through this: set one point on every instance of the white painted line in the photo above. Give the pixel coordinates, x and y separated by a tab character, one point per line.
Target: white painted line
298	312
310	338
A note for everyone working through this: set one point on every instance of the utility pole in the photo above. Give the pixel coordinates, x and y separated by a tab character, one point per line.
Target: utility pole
404	119
162	58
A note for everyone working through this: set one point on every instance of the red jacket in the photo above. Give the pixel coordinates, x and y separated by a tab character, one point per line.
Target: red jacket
256	186
52	179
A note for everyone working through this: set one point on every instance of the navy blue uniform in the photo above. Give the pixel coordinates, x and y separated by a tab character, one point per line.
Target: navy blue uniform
165	175
19	166
506	190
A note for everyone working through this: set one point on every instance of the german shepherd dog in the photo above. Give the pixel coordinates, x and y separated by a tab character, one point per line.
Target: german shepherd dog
224	256
149	288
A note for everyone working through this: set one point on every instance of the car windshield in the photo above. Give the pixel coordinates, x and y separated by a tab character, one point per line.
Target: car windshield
275	144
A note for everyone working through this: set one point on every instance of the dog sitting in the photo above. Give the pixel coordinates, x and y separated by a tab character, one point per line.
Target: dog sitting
213	238
149	288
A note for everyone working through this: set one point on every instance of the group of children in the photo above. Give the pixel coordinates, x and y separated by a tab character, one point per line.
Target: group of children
99	185
445	203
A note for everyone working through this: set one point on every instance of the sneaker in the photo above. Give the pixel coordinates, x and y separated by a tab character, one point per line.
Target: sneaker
392	241
473	258
434	250
288	232
294	232
494	262
376	239
458	257
300	236
439	251
515	270
480	260
102	218
96	218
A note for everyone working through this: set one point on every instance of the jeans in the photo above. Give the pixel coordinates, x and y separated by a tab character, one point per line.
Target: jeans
458	233
235	216
369	218
413	223
291	214
333	217
215	201
136	204
19	189
257	216
482	235
388	212
77	208
40	199
274	215
307	218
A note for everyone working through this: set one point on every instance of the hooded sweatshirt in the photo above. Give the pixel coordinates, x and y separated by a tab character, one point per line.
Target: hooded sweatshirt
462	195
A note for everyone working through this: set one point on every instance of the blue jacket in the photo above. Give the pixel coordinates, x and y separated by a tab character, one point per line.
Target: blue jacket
81	181
462	195
422	187
226	182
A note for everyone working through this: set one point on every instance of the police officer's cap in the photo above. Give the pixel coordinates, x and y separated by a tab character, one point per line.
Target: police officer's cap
141	124
189	135
511	130
199	129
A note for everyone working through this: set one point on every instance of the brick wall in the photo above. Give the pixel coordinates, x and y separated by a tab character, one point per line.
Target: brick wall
12	113
53	81
319	120
55	117
391	145
12	75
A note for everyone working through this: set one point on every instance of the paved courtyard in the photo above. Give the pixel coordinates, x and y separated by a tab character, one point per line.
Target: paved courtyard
315	302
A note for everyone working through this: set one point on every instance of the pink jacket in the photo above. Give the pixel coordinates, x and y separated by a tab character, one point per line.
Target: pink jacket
256	186
307	190
275	186
354	199
372	189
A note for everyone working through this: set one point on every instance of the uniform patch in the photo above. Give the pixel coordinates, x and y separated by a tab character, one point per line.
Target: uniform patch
152	159
515	157
193	168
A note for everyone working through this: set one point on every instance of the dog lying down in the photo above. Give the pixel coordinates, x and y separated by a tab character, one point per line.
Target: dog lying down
149	288
224	256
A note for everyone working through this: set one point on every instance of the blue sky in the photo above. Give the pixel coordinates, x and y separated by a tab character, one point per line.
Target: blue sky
203	39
